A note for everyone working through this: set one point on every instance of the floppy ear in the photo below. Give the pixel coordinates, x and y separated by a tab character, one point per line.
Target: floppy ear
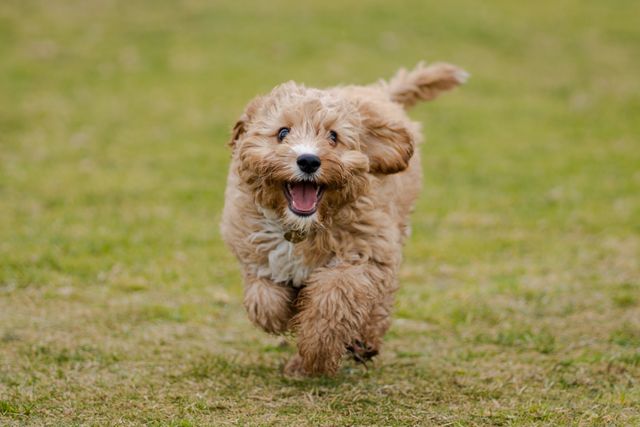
238	129
241	125
388	143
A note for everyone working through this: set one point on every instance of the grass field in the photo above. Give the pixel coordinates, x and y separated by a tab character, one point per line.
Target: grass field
119	304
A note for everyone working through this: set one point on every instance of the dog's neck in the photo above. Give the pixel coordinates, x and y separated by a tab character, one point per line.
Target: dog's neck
291	232
295	236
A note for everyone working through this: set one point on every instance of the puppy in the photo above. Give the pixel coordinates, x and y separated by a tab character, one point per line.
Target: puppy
319	191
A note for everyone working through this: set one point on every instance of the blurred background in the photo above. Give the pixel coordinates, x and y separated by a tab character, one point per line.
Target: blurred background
119	304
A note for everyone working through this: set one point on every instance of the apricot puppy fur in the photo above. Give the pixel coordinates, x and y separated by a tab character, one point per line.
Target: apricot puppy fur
317	205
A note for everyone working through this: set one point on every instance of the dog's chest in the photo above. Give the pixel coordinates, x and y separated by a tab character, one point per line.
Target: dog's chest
283	264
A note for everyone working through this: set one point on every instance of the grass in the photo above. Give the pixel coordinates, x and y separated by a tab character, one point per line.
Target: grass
119	305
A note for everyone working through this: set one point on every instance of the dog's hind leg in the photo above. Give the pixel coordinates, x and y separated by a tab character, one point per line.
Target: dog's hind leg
373	331
268	304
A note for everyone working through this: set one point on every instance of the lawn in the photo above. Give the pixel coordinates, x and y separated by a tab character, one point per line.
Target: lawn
520	290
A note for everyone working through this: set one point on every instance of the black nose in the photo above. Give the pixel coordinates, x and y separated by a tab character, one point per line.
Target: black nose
308	163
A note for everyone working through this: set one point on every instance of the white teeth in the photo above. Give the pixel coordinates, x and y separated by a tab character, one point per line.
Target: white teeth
289	186
317	191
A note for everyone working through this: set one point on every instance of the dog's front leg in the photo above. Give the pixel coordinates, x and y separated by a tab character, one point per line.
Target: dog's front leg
333	308
268	304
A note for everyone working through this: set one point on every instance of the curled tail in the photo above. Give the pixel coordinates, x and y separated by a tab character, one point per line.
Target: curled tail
423	83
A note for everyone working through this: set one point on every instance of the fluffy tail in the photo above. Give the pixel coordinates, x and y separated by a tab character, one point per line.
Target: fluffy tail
423	83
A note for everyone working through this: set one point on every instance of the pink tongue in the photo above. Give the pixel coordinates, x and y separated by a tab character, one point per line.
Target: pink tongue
303	196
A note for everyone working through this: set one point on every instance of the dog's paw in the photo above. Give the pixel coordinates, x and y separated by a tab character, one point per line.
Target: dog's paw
274	320
294	368
269	307
361	352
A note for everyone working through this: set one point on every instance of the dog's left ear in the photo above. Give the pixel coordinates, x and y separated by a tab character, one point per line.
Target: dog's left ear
388	142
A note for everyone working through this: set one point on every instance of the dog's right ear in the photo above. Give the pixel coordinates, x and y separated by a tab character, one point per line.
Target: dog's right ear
241	125
238	129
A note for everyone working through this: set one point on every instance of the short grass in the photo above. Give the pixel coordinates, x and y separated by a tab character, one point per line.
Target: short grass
119	305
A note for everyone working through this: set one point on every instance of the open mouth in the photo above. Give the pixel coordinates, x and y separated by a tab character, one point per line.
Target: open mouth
303	197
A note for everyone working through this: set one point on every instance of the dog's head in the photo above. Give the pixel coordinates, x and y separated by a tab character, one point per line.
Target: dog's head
305	153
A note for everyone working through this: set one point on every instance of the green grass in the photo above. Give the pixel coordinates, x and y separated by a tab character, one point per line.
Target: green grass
119	304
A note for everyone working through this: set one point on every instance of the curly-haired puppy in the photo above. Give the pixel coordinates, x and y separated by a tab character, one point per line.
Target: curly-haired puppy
318	197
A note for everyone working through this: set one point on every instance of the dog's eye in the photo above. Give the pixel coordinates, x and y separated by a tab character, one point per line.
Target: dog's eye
282	133
333	136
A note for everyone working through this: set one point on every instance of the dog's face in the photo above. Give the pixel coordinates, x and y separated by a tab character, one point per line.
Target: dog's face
305	153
